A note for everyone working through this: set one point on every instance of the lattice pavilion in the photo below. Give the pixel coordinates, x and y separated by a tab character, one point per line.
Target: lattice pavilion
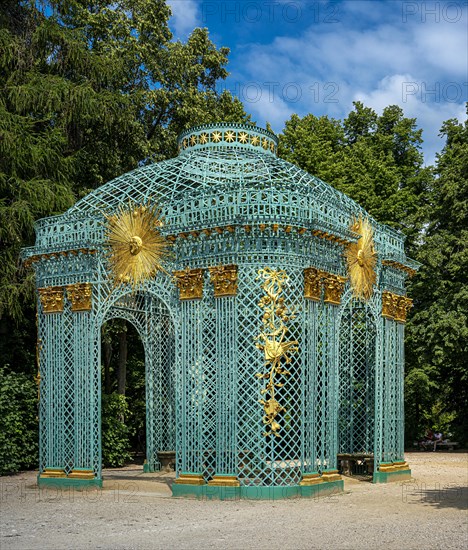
271	308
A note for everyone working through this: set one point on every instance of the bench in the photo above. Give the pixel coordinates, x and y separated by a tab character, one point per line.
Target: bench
449	445
446	445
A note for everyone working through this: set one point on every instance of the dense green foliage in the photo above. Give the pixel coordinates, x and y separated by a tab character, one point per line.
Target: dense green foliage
115	430
18	421
92	89
437	336
134	437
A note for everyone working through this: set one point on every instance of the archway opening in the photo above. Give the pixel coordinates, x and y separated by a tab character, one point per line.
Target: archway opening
356	414
138	384
123	399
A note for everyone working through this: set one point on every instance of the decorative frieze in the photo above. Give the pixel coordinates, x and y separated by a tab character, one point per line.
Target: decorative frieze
80	296
59	254
228	135
224	279
398	265
190	283
395	307
51	299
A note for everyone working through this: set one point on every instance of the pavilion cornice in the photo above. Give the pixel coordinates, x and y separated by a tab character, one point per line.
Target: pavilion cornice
407	265
315	230
32	255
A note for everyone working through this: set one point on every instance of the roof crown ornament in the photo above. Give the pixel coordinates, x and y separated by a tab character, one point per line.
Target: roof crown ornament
228	135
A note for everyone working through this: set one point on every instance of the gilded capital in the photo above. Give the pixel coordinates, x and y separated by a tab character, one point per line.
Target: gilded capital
403	306
395	307
388	305
190	283
224	279
334	286
51	299
80	296
312	283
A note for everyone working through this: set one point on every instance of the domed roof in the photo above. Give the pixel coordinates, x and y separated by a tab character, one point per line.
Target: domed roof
225	175
224	158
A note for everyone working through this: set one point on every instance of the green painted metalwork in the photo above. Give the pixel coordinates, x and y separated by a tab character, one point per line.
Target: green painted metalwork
226	199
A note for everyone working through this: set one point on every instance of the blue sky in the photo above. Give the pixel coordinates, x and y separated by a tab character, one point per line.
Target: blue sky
306	56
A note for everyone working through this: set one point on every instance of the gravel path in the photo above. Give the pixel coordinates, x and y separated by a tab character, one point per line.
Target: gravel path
136	511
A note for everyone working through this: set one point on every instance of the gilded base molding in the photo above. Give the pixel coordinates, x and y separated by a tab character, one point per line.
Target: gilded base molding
221	480
53	472
331	475
393	466
190	479
310	479
81	473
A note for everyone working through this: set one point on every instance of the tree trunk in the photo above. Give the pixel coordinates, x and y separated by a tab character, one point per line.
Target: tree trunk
107	349
122	360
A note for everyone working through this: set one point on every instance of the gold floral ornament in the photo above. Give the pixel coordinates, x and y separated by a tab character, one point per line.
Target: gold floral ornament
272	341
136	248
361	259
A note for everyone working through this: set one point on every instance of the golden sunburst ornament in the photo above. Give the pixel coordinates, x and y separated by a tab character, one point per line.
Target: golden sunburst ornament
361	259
136	248
230	136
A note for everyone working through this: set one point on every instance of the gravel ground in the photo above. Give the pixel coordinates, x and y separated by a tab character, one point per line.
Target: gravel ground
135	510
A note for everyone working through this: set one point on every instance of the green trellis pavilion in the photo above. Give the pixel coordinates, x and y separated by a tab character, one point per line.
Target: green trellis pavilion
271	308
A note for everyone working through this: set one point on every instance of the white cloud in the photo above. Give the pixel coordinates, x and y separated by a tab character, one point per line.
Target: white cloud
419	65
185	17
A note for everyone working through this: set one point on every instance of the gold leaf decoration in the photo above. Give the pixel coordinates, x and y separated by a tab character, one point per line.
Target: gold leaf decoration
361	259
136	248
273	344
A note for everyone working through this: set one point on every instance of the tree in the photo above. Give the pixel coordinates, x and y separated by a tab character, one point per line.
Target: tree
18	410
437	339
